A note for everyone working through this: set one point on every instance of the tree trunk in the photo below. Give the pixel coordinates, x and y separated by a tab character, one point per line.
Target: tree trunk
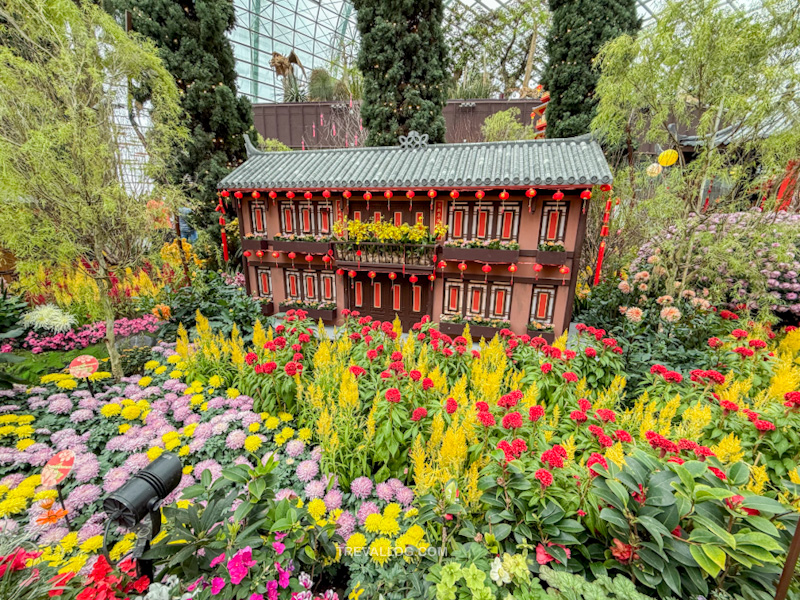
108	316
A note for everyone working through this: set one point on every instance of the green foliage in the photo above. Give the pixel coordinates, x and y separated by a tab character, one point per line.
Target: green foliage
404	60
579	29
29	368
271	144
505	125
568	586
133	359
200	58
12	308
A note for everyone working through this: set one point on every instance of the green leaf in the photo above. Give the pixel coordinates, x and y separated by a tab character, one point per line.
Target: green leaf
704	493
683	473
672	579
234	474
614	517
501	531
619	491
762	524
764	504
718	531
705	563
758	539
738	474
716	554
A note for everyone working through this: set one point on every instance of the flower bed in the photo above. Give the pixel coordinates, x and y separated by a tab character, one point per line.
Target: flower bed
418	467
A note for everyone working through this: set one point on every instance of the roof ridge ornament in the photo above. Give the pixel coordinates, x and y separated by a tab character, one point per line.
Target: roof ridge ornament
413	141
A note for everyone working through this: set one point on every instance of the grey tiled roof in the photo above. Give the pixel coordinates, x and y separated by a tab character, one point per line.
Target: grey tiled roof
568	162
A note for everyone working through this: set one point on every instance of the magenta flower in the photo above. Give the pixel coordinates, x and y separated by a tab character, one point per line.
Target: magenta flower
216	585
239	564
278	547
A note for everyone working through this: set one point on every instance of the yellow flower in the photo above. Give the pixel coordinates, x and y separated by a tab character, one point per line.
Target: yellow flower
189	429
187	470
411	512
171	444
184	504
215	381
74	564
53	377
12	506
389	526
204	406
316	508
151	364
356	543
26	419
123	547
285	417
299	503
373	523
272	423
253	427
380	551
99	376
197	399
356	592
287	433
392	510
175	374
44	495
252	443
67	384
145	381
131	412
160	370
26	443
174	359
154	452
304	434
233	393
110	410
124	427
6	430
184	451
69	541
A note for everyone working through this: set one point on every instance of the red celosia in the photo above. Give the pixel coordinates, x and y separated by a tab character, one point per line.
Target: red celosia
372	355
578	416
427	383
481	406
605	441
658	370
617	350
714	342
415	375
673	377
792	399
590	352
605	414
763	425
250	358
519	446
750	414
728	406
684	444
570	376
702	452
584	404
546	368
623	436
569	354
728	315
451	406
595	430
544	476
552	459
291	369
609	342
265	368
675	459
486	418
535	412
419	413
743	351
739	334
512	420
392	395
357	370
596	459
397	355
757	344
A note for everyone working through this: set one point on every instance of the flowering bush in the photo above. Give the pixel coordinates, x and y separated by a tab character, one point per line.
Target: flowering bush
88	334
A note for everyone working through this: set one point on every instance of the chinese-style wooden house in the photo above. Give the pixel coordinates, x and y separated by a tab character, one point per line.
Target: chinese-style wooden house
515	217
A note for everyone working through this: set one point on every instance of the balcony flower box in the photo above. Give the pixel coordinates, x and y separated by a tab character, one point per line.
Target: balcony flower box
301	247
267	307
313	313
476	331
548	336
373	253
255	244
551	258
482	254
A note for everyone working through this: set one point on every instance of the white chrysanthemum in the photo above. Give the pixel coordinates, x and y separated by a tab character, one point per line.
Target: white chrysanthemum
49	317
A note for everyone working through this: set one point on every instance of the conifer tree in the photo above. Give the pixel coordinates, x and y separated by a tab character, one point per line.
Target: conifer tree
191	41
403	57
578	31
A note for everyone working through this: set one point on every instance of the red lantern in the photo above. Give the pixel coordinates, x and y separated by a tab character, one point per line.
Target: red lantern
537	268
238	195
260	254
326	194
486	268
224	193
330	252
326	259
462	266
273	194
564	270
392	276
308	195
606	187
512	268
290	195
247	254
432	277
454	194
358	253
442	264
340	272
367	196
586	195
309	257
410	194
292	255
559	195
371	274
413	279
256	194
480	194
431	193
531	193
347	194
351	274
504	195
388	194
276	254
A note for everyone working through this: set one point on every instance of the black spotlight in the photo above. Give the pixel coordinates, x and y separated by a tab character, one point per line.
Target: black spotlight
141	498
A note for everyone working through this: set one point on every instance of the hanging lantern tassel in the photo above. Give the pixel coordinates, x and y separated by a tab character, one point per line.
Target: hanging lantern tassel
442	264
600	254
586	195
432	278
367	197
410	196
358	258
486	270
531	194
276	255
603	234
512	268
388	195
564	270
221	209
462	266
292	256
327	260
431	195
537	268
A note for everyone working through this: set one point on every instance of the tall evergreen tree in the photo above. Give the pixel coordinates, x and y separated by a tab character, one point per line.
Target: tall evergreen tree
403	57
578	31
190	36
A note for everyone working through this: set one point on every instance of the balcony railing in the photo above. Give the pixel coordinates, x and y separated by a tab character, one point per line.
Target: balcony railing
379	253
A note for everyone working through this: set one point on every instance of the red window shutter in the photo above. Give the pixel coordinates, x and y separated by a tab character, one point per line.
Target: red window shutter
482	217
264	283
293	286
508	221
458	223
552	225
396	297
310	287
359	293
259	224
324	221
453	298
328	289
499	302
356	215
376	295
306	220
287	220
376	217
476	300
398	219
417	298
541	306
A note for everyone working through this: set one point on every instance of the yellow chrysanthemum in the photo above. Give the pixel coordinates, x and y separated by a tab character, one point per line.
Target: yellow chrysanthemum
373	523
272	423
174	359
356	543
160	370
67	384
232	393
53	377
12	505
145	381
204	406
74	564
123	547
151	364
316	508
252	443
187	470
304	434
411	512
154	452
175	374
197	399
184	451
25	419
189	429
253	427
380	551
69	541
285	417
389	526
287	433
25	431
6	430
170	445
124	427
215	381
111	410
99	376
26	443
131	412
45	495
392	510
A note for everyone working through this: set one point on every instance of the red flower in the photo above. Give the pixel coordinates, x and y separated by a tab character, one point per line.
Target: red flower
718	473
714	342
584	404
702	452
617	350
763	425
415	375
419	413
451	406
519	446
743	351
58	582
512	420
757	344
673	377
578	416
392	395
739	334
507	401
482	406
290	368
596	459
535	412
544	476
606	415
684	444
624	553
546	368
266	368
623	436
590	352
728	406
609	342
595	430
792	399
728	315
658	370
486	419
569	354
639	496
427	383
397	355
357	370
372	354
250	358
552	458
570	376
735	503
676	459
605	441
750	414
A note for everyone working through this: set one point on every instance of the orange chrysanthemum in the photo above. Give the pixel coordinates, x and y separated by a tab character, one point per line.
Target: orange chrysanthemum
51	517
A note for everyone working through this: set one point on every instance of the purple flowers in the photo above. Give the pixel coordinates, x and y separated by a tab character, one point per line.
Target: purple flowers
384	491
361	487
307	470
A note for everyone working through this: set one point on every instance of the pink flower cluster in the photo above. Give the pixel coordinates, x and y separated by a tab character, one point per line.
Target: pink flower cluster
88	334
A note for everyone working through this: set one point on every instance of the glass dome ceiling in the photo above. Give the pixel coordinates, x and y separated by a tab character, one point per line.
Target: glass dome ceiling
323	33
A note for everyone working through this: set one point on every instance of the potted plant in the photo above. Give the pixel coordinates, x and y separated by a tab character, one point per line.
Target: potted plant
491	250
